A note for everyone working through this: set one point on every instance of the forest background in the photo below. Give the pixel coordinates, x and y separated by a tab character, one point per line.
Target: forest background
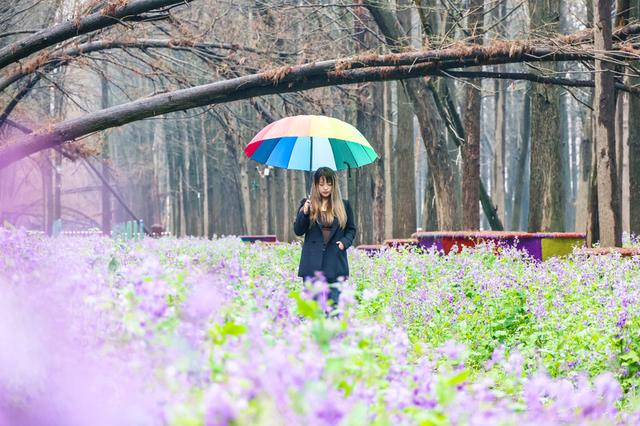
495	114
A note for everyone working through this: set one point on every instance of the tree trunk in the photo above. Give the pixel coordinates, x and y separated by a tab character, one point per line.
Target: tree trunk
471	147
404	223
498	187
584	181
634	144
404	185
105	193
47	192
389	163
182	228
57	189
609	217
429	214
593	223
520	218
369	209
278	201
545	191
432	126
205	181
621	159
566	143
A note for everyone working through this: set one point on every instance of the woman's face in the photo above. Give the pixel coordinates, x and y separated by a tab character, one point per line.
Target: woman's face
324	187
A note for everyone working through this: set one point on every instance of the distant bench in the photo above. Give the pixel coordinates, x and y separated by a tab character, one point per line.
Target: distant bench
397	243
600	251
401	243
270	239
539	245
371	249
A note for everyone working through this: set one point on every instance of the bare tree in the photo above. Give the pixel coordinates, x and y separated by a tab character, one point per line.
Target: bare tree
471	147
609	217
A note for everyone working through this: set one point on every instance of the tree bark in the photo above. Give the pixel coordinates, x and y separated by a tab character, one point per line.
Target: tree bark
369	208
404	185
105	193
609	217
499	152
47	192
429	214
388	198
521	192
584	177
634	145
471	147
546	200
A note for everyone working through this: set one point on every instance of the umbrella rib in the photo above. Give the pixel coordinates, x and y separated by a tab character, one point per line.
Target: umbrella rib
310	153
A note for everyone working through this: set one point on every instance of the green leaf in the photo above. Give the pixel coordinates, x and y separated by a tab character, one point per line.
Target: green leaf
631	357
307	308
459	378
230	328
218	333
444	392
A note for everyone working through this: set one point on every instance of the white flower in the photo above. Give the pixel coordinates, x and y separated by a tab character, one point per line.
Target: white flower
369	294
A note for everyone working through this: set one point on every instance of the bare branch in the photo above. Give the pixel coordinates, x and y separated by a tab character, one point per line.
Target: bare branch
108	16
536	78
292	79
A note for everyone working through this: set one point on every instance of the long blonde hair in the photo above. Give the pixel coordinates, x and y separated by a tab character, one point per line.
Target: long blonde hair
335	206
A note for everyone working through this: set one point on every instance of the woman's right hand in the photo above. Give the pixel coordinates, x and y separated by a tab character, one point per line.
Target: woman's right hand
306	208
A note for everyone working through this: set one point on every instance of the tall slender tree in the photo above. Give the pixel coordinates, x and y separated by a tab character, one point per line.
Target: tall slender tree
471	147
609	214
634	143
545	200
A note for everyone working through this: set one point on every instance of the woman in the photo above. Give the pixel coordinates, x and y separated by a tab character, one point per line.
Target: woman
326	221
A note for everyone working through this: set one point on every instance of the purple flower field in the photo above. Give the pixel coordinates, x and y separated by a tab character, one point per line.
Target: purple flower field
198	332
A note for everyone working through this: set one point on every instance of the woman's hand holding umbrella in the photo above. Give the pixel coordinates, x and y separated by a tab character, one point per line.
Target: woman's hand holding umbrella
306	207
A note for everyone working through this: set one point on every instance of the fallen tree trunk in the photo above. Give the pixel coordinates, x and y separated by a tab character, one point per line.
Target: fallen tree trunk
285	80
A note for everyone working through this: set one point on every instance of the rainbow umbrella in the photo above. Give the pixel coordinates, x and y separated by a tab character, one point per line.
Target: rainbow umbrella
307	142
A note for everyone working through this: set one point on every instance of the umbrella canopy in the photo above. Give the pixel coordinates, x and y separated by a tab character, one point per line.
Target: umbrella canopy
308	142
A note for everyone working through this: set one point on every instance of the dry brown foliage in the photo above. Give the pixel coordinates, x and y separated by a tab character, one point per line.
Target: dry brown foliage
277	74
38	61
111	7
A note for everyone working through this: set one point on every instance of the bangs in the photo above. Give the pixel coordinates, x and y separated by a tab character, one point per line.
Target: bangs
326	173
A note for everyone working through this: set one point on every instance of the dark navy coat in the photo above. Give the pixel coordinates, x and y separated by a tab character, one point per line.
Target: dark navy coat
318	256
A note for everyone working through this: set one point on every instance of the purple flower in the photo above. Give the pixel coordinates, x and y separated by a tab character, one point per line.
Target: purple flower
608	388
219	409
514	363
452	350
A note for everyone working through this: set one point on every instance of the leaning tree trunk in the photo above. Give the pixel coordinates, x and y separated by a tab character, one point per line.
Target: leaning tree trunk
609	217
545	190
